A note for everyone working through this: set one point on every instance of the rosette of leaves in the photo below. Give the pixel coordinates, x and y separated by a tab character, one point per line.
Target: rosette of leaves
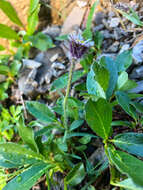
108	85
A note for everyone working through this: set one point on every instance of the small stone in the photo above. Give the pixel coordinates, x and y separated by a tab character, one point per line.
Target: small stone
52	59
111	14
106	44
105	22
111	55
107	35
52	31
114	47
31	64
57	65
119	33
98	27
137	72
48	77
137	89
99	17
138	52
114	22
124	48
50	55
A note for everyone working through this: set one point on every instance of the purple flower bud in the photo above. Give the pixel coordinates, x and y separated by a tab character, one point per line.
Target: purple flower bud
78	45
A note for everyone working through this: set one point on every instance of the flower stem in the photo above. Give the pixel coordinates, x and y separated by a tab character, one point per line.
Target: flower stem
67	93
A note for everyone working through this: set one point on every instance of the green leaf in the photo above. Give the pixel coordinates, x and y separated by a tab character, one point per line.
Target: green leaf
27	135
3	88
91	188
98	39
7	32
127	184
14	67
133	95
87	61
33	20
75	124
137	106
41	41
28	178
111	66
130	142
101	75
62	38
127	164
61	82
133	17
122	79
85	139
78	134
93	87
124	101
9	10
33	6
87	33
41	112
17	155
4	70
72	108
130	84
121	123
99	117
76	175
2	48
124	60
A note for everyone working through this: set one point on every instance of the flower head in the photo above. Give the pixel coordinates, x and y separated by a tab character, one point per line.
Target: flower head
78	45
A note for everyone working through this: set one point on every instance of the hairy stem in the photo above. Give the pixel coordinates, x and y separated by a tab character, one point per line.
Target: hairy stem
67	93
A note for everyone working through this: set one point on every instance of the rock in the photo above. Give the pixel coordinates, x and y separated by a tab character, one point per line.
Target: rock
137	72
119	33
26	83
111	14
106	44
106	24
112	55
114	47
57	65
124	48
52	31
99	17
138	89
107	34
98	155
35	75
74	19
46	71
50	55
31	64
98	27
138	52
114	22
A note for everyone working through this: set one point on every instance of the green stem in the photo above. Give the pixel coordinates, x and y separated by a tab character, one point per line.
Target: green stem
65	185
67	93
48	181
